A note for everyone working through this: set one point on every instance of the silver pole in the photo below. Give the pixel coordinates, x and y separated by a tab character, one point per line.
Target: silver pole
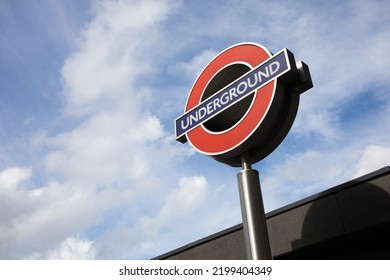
252	209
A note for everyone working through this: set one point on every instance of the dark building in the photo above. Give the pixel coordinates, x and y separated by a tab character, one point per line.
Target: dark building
349	221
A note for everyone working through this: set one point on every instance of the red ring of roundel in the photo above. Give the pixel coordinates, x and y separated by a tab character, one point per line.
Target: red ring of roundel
220	143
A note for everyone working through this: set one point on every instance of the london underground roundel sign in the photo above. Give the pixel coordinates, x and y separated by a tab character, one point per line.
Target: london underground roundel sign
244	101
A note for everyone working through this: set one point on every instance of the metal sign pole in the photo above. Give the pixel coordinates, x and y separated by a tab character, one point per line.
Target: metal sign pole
252	209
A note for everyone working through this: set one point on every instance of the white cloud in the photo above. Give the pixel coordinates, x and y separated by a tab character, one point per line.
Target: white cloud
182	202
118	154
310	172
37	220
345	57
178	214
73	248
119	134
112	53
188	211
11	177
373	157
301	175
193	68
323	123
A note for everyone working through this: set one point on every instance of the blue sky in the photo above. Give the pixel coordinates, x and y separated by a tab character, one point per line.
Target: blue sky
89	168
